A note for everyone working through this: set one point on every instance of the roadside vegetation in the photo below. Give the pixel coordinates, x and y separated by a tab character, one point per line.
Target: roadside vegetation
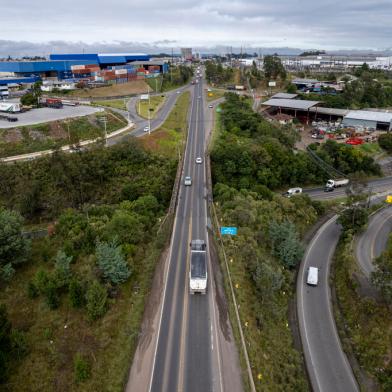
249	157
216	75
215	94
176	77
52	135
365	324
74	300
112	103
152	105
168	139
254	154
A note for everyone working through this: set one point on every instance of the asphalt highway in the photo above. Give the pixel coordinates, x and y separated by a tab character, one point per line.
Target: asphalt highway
376	185
327	364
371	243
187	350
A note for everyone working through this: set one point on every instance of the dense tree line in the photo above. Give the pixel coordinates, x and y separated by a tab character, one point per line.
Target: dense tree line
217	74
43	188
265	252
252	153
372	89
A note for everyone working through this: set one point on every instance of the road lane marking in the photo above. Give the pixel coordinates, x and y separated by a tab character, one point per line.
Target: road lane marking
168	269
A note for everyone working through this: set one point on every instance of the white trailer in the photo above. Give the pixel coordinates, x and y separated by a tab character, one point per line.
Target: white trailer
198	267
9	107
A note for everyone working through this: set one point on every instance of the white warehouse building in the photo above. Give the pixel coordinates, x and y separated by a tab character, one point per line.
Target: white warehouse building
368	119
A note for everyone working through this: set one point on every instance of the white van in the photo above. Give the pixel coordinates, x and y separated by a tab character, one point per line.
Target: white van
312	276
293	191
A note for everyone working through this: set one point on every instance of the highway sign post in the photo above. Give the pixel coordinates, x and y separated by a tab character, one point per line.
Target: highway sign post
228	230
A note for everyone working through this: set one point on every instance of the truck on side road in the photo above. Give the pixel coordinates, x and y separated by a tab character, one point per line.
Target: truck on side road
9	107
198	267
332	184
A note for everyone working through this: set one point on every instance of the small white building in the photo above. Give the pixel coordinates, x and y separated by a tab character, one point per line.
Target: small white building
50	85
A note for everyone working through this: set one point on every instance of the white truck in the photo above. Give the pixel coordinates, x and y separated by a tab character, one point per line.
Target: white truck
312	278
198	267
332	184
9	107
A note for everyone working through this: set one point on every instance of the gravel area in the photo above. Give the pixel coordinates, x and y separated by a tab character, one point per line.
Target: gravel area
43	115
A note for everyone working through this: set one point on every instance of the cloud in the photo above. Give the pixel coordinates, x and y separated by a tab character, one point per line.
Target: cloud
329	24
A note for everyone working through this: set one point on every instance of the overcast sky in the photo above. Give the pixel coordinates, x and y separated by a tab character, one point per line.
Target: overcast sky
324	24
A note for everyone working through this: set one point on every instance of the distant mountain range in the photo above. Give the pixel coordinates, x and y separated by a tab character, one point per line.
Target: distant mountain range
25	48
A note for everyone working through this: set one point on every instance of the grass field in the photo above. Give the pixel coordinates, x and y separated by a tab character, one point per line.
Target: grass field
215	94
167	139
39	137
154	104
112	103
115	90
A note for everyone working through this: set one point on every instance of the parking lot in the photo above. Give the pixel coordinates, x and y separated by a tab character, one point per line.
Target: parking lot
42	115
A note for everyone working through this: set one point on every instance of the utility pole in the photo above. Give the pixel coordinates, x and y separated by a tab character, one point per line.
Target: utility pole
171	67
149	121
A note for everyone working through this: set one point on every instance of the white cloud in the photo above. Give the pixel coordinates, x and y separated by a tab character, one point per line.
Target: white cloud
302	23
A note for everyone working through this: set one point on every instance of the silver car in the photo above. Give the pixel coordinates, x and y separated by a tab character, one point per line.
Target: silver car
188	181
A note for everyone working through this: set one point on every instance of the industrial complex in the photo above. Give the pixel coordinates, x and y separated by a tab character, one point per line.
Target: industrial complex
94	67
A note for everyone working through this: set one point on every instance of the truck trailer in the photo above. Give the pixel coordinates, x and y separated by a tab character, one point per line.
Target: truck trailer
198	267
51	103
9	107
332	184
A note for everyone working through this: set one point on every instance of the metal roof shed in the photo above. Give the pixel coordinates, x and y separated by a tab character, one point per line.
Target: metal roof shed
291	103
369	119
284	96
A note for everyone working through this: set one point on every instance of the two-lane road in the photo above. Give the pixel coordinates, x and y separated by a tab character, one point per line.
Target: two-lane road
371	243
327	364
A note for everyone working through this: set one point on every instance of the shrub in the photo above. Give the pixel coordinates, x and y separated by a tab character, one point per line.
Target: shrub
62	268
7	272
82	368
51	294
32	291
96	297
76	293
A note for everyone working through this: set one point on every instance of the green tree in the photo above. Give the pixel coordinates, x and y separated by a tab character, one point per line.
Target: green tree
285	243
354	218
7	272
14	248
273	67
96	297
111	262
268	281
291	88
82	369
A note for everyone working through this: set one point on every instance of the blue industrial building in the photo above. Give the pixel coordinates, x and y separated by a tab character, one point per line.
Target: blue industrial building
59	65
